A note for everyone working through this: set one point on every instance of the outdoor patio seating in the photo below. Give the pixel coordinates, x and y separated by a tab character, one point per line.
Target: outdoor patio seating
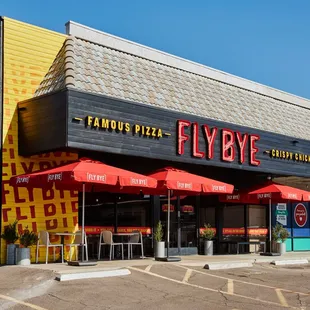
76	243
44	241
107	238
135	239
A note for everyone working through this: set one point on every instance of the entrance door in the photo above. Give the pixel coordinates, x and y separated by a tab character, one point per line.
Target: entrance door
187	239
183	240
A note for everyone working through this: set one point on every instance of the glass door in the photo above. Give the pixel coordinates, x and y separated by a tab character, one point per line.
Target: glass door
188	222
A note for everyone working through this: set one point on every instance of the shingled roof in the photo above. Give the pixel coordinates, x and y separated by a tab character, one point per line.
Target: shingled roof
98	69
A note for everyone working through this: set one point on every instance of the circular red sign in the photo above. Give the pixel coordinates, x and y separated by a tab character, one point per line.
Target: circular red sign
300	215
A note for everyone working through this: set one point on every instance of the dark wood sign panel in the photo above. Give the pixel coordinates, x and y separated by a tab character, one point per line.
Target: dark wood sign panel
104	124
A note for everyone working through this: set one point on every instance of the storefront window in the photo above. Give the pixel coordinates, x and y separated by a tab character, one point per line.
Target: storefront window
207	216
257	216
257	223
134	213
233	222
132	210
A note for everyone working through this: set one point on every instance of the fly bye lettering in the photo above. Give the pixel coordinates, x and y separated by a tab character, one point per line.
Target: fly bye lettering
233	143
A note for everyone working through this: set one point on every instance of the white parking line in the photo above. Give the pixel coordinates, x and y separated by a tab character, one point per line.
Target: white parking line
148	268
230	286
244	282
281	298
187	275
22	302
206	288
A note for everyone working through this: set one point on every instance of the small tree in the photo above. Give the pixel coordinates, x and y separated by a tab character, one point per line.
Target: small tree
284	234
208	232
28	238
158	234
275	234
10	234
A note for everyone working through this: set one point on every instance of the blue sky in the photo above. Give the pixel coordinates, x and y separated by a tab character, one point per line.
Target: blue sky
264	41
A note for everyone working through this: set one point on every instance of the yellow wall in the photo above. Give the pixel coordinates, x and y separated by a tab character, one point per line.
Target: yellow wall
28	53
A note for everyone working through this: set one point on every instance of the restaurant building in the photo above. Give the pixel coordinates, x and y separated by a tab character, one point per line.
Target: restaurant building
90	94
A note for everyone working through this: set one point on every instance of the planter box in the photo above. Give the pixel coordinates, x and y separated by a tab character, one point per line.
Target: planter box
159	249
208	249
11	253
282	248
23	256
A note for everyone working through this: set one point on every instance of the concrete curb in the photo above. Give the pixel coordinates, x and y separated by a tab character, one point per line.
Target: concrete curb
290	262
92	274
230	265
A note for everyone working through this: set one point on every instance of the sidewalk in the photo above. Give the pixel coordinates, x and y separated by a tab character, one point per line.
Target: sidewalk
193	260
201	260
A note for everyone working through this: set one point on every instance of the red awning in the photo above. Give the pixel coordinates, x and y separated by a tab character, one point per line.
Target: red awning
241	197
271	190
90	172
183	182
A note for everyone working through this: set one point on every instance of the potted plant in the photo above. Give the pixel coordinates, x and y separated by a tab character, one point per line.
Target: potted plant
27	239
283	234
159	243
275	237
208	234
10	235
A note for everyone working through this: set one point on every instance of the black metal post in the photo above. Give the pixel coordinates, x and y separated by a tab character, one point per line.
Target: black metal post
115	215
246	225
179	225
292	224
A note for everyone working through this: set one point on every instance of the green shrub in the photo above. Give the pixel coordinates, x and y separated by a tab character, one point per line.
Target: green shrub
208	232
284	234
279	233
28	238
10	234
158	234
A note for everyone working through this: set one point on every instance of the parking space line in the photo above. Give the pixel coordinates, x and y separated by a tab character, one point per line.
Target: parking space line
244	282
206	288
22	302
230	286
148	268
281	298
187	275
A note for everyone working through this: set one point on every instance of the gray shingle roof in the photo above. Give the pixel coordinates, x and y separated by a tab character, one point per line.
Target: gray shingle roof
98	69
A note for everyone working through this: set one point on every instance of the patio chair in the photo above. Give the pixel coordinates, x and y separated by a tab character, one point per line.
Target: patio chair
76	243
44	241
107	238
136	239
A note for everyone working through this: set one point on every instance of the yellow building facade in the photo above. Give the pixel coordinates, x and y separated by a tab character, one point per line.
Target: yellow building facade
28	52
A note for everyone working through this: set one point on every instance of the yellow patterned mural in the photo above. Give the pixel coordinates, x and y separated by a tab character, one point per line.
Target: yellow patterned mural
28	53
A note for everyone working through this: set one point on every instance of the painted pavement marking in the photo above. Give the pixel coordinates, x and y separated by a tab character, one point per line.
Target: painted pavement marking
230	286
206	288
187	275
148	268
244	282
281	298
22	302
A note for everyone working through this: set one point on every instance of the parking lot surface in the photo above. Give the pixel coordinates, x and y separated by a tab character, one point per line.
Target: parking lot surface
161	286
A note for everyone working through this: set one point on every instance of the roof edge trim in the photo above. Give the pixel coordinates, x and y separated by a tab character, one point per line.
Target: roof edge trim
130	47
69	62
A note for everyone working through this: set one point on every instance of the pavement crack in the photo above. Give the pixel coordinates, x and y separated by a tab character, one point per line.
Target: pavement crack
299	300
66	300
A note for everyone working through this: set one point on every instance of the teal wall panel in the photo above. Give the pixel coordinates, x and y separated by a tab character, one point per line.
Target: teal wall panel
288	245
302	244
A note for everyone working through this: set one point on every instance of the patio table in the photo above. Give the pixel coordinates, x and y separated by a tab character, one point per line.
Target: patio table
124	234
62	238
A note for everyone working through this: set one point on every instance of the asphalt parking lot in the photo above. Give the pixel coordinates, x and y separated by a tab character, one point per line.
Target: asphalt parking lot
164	286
